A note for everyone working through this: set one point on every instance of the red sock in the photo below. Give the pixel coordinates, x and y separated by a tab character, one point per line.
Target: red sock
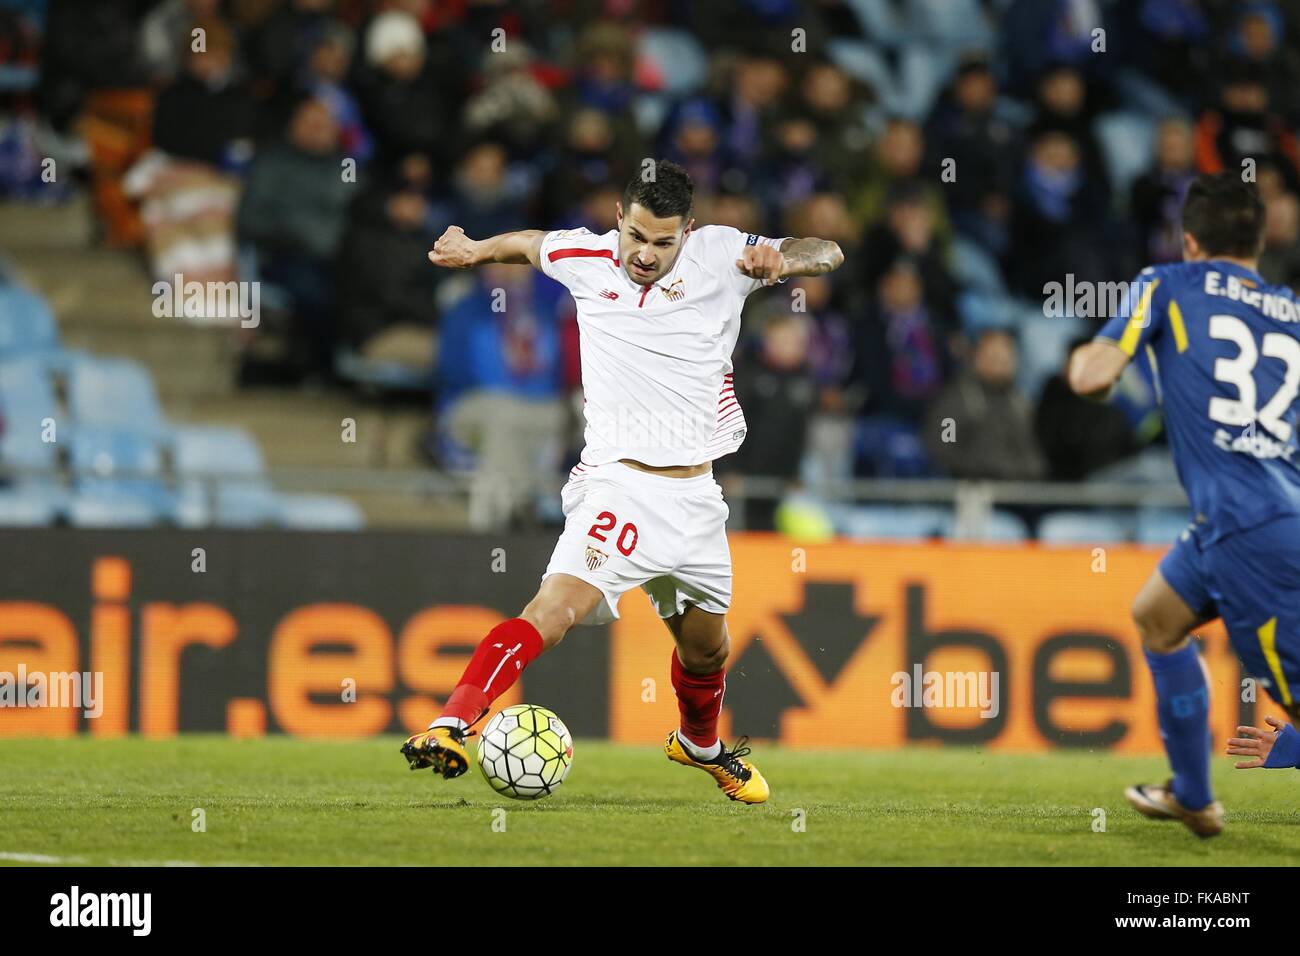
497	663
699	699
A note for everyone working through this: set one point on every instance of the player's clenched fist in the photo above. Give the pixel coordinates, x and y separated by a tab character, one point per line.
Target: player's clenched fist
453	250
762	262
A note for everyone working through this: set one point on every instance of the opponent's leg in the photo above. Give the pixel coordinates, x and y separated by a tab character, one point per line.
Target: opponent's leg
1164	621
700	682
499	659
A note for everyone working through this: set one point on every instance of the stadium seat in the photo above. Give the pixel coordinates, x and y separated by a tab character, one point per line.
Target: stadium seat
215	450
320	513
221	472
1161	525
104	509
1044	343
897	522
1127	143
681	61
30	504
115	392
889	447
1153	465
1085	527
114	466
983	310
380	374
909	89
245	504
26	323
1002	526
955	25
974	268
27	405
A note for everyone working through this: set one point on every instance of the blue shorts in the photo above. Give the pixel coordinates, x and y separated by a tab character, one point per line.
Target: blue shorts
1251	579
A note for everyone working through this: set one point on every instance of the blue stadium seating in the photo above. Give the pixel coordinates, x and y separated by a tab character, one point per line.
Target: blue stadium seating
896	522
30	504
319	513
28	405
1161	525
215	449
975	268
353	366
26	323
1127	141
117	468
1044	343
106	509
683	62
222	481
1069	527
115	392
1003	526
245	504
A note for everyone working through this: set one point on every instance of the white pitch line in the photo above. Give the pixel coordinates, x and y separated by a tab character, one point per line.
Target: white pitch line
81	861
36	858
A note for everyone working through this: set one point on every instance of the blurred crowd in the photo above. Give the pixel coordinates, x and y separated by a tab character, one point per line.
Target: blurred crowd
963	153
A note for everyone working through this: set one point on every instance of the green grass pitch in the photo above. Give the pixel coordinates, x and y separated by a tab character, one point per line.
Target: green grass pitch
284	801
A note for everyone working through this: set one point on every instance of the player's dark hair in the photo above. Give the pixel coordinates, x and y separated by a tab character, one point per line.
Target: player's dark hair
1225	215
670	193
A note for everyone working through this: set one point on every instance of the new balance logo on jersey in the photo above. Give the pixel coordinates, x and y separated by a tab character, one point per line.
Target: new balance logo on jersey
609	294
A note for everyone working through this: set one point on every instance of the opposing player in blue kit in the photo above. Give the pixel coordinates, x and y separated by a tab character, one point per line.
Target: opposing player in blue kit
1225	347
1272	749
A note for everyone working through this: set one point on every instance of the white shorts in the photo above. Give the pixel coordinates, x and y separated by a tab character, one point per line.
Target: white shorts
625	528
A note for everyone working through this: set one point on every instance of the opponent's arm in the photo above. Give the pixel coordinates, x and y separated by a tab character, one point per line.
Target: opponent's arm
455	250
1279	747
795	257
1095	368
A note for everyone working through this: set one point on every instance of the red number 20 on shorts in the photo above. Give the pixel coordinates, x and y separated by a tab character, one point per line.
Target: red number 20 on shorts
626	541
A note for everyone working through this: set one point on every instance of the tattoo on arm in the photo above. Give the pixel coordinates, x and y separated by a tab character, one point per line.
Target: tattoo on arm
810	257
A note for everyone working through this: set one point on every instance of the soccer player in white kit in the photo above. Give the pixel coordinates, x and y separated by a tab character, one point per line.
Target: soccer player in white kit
659	307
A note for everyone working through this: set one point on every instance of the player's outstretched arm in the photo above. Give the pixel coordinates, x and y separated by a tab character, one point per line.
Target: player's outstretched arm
455	250
1279	747
795	257
1095	368
810	257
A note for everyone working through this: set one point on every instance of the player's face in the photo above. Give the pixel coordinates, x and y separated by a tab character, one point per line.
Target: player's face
647	245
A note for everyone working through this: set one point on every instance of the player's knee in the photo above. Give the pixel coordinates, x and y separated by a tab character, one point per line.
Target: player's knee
1155	630
707	660
553	619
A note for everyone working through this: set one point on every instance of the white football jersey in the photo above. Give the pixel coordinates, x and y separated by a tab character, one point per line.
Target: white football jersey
656	359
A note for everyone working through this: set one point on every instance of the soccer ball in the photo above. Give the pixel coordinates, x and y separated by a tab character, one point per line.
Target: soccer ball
525	752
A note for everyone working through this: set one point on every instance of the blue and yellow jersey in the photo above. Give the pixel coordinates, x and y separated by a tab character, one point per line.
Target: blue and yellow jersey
1225	347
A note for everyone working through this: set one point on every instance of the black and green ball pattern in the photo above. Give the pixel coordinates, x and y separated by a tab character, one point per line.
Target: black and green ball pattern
524	752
